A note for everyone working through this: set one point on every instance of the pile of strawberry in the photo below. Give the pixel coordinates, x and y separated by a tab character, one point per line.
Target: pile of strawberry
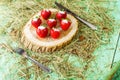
51	29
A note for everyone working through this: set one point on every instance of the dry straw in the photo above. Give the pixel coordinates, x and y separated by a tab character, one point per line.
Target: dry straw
82	46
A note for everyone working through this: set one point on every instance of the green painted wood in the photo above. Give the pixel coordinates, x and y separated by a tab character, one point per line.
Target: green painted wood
99	69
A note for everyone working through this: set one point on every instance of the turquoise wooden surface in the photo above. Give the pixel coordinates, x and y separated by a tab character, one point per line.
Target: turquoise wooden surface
100	66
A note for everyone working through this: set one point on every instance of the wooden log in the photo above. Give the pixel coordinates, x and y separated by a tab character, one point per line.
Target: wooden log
31	41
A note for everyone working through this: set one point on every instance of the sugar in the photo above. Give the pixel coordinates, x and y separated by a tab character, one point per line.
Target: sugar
65	21
41	27
62	12
52	20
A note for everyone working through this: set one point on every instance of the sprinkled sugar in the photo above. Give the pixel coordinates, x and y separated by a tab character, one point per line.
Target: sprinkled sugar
35	19
41	27
52	20
56	29
62	12
65	21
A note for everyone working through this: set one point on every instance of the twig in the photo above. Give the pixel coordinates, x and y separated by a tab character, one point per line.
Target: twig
115	50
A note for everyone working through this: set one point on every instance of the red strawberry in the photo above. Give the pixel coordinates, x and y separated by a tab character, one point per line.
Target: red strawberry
36	22
65	24
61	14
45	14
51	23
42	31
55	33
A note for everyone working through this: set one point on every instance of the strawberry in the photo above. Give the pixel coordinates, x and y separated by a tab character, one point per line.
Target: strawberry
36	22
45	14
55	33
61	15
51	23
65	24
42	31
